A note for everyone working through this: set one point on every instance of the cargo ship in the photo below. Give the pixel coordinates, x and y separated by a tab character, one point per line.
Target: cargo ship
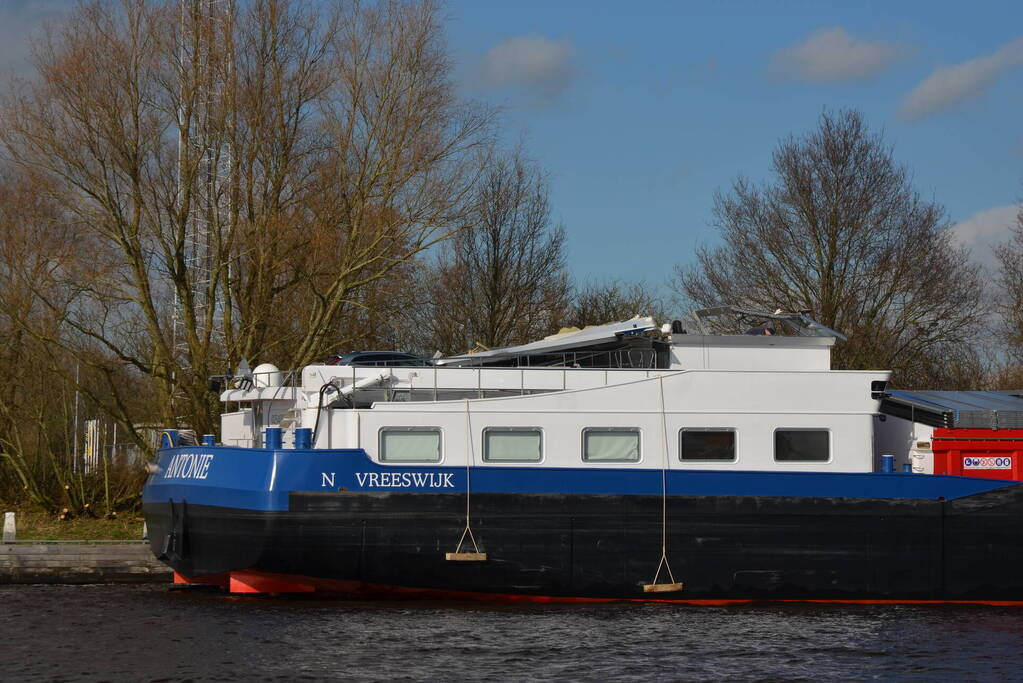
627	461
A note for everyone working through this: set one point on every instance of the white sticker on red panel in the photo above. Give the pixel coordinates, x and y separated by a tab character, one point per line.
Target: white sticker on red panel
987	463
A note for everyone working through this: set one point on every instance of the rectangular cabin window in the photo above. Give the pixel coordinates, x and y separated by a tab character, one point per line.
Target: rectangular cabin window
611	444
802	445
512	444
706	445
410	444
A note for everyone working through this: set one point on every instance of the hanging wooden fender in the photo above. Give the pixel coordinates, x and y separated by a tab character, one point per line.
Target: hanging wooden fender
673	586
465	557
458	555
662	588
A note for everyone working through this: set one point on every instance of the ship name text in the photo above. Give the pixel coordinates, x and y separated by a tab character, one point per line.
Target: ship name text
189	466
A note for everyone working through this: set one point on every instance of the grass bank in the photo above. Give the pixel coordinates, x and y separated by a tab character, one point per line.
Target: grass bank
38	525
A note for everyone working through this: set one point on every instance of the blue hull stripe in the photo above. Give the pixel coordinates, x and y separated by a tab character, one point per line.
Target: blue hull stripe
261	479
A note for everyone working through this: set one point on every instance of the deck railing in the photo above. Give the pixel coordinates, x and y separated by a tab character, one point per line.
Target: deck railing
411	383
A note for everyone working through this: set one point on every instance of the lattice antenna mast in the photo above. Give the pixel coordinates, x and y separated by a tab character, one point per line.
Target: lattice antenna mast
204	165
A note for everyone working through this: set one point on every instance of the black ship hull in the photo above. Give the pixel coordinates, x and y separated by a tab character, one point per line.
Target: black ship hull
608	546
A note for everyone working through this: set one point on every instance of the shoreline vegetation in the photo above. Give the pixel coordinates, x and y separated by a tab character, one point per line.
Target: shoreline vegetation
35	524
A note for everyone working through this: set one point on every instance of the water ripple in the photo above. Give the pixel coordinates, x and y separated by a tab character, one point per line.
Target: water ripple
150	633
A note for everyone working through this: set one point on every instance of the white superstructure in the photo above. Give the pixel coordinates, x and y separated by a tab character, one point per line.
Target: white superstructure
695	401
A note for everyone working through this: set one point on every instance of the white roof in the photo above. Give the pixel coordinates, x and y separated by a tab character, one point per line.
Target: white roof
591	336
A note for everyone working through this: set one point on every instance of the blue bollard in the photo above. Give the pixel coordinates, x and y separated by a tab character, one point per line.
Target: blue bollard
274	438
169	438
887	463
907	468
303	437
209	439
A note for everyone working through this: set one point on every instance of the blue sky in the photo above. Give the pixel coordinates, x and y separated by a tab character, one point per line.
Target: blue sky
640	111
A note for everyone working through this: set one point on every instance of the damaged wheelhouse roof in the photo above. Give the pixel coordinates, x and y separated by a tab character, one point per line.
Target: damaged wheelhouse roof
596	338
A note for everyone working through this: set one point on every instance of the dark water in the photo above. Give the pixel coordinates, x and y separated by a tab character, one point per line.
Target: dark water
151	633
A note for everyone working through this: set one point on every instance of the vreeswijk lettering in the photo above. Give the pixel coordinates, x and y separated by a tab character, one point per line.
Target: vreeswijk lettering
427	480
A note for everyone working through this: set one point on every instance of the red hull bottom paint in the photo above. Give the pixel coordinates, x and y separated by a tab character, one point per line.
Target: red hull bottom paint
265	583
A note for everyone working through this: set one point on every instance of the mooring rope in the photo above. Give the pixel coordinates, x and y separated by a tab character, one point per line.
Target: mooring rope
468	461
664	491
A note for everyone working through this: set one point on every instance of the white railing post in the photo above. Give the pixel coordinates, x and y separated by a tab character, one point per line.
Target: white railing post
9	533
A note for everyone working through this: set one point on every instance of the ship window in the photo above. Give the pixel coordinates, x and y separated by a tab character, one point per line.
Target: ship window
802	445
512	444
611	444
697	445
410	444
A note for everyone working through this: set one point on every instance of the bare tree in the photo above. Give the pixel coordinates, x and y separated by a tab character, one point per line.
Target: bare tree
1010	280
842	232
40	383
236	178
396	172
613	300
26	256
503	281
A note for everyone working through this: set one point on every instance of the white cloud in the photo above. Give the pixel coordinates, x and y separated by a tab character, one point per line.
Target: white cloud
538	67
948	86
832	55
19	21
985	230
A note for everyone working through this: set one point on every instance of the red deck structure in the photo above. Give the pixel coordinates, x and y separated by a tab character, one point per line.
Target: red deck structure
987	453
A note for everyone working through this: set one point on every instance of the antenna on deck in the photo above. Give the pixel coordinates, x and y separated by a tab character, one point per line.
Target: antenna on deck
204	172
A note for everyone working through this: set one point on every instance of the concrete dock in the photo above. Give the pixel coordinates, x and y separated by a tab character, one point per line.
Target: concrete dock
80	562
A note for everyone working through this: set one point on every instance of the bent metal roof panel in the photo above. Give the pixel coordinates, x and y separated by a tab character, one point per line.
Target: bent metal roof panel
978	409
590	336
